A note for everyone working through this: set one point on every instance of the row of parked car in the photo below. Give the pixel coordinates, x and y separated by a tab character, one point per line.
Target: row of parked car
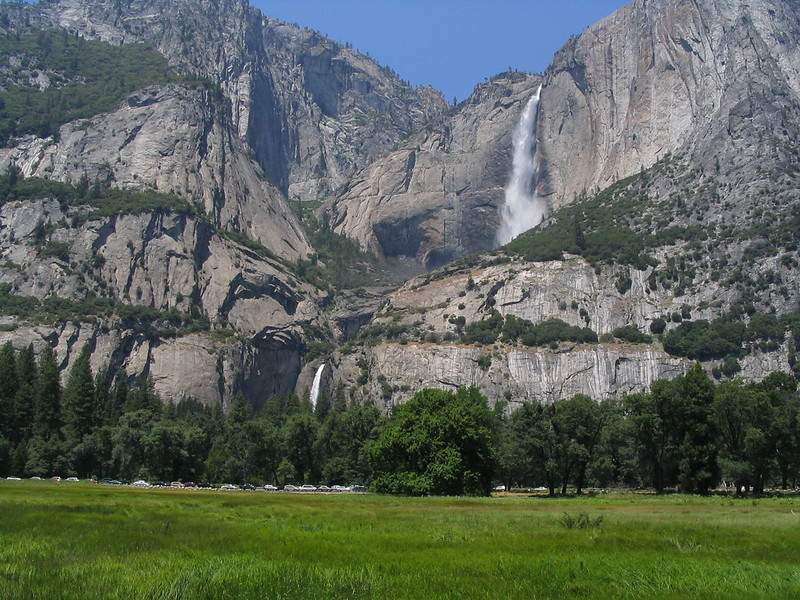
226	487
246	487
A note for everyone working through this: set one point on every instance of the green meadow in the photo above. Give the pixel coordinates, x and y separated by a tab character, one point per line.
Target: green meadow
85	541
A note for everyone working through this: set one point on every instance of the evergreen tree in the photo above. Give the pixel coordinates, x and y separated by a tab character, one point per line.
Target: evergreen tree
8	389
25	396
47	414
79	399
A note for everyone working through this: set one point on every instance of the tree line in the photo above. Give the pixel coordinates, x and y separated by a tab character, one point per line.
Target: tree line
688	433
97	425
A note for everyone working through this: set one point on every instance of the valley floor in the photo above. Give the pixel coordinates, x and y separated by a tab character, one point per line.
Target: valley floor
84	541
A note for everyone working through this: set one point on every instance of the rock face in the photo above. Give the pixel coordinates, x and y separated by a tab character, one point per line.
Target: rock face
312	110
174	140
659	76
262	114
439	196
166	262
428	354
517	375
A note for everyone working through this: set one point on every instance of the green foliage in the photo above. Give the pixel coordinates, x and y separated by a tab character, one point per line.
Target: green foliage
105	200
580	521
599	229
658	326
338	262
545	333
706	340
484	332
726	336
436	443
630	333
88	78
53	310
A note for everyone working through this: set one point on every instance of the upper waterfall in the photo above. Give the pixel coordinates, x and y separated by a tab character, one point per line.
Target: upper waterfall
522	211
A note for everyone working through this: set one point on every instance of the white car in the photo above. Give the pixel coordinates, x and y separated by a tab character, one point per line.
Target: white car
13	479
290	488
342	488
228	487
34	478
324	489
307	488
141	484
72	479
176	484
270	488
56	479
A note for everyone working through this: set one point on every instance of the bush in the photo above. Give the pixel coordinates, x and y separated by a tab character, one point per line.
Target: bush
629	333
483	332
730	367
546	333
704	340
658	326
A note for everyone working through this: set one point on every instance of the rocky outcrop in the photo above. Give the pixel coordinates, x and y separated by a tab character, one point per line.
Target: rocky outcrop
171	140
439	196
661	76
313	111
391	373
204	367
256	309
515	375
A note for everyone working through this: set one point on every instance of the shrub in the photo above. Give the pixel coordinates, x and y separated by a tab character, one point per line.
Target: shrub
484	332
658	326
580	521
629	333
545	333
704	340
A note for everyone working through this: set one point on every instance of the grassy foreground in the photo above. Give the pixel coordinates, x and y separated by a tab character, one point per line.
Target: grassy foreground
82	541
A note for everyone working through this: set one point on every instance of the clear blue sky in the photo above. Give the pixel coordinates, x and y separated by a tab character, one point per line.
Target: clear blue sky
450	44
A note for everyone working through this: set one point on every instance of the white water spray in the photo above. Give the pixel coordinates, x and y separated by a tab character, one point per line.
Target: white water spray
522	210
314	395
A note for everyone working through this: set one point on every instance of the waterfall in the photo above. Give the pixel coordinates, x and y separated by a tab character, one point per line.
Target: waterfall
522	210
314	395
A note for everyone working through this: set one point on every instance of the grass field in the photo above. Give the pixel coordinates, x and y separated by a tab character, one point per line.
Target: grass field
82	541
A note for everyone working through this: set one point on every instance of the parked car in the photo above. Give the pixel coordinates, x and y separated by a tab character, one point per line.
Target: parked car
160	484
72	479
190	484
13	479
141	484
176	484
307	488
247	487
228	487
34	478
358	489
56	479
290	488
341	488
270	488
324	489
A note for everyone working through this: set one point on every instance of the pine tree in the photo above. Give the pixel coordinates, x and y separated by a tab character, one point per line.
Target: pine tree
26	392
47	406
8	388
79	401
